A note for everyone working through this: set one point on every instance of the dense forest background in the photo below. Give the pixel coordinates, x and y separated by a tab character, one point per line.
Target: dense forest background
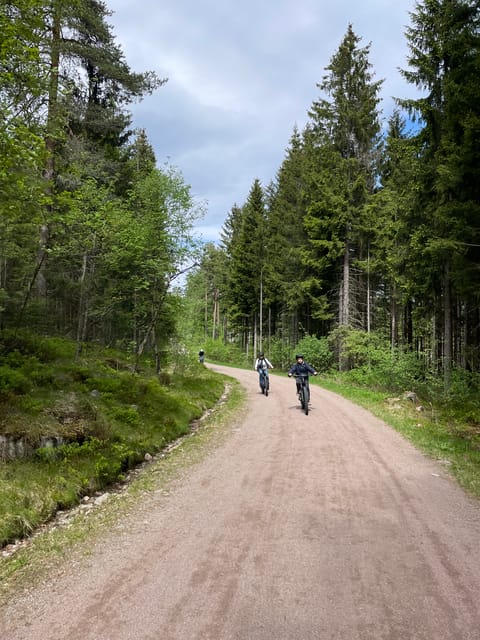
368	237
365	247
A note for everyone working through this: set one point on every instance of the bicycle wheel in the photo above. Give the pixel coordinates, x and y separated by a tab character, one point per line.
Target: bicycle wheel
301	397
267	385
261	382
305	400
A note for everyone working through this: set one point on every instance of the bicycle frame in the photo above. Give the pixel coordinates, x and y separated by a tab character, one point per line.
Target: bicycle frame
304	392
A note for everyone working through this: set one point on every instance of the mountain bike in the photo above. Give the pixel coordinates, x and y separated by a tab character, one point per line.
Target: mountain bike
304	392
264	381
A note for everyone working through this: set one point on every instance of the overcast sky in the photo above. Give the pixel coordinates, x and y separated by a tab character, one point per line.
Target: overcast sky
241	75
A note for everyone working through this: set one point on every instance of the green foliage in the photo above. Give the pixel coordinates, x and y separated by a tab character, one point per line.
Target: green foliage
316	351
278	352
229	353
374	364
12	381
385	370
127	416
27	343
105	417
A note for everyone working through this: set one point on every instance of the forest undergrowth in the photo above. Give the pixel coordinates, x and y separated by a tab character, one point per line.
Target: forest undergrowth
71	426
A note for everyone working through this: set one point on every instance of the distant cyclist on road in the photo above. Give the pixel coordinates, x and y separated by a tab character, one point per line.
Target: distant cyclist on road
301	368
262	365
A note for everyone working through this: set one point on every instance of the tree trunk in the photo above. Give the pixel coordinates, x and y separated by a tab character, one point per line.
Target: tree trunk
368	291
205	320
260	328
81	306
345	318
393	318
447	329
50	144
214	315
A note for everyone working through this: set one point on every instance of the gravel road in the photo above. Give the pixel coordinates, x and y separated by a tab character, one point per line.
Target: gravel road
321	527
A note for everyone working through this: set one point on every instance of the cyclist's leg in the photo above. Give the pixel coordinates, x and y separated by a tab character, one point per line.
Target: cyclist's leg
300	391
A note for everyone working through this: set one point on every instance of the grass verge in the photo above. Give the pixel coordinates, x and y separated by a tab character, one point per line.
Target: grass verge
69	427
69	540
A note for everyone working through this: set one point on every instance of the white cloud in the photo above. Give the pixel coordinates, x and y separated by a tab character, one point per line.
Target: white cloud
241	76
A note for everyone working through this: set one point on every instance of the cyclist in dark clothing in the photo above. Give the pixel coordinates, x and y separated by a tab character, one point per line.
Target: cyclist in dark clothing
301	368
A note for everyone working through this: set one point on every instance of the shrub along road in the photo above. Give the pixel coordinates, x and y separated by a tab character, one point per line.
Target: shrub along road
326	526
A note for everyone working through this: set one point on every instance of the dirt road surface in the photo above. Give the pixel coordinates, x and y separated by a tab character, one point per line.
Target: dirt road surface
321	527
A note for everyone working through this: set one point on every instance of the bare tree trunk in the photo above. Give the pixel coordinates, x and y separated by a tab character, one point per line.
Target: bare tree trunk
447	329
269	329
40	282
340	304
205	322
368	291
148	331
344	301
260	344
345	319
81	306
214	314
157	352
29	291
225	329
394	318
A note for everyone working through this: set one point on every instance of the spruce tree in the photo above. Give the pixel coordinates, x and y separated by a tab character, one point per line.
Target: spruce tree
285	270
247	254
343	136
444	60
389	211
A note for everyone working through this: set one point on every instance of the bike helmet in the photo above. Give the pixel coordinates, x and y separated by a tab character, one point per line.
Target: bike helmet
260	355
299	356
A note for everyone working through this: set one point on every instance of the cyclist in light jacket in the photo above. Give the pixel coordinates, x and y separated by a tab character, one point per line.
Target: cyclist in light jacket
262	365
